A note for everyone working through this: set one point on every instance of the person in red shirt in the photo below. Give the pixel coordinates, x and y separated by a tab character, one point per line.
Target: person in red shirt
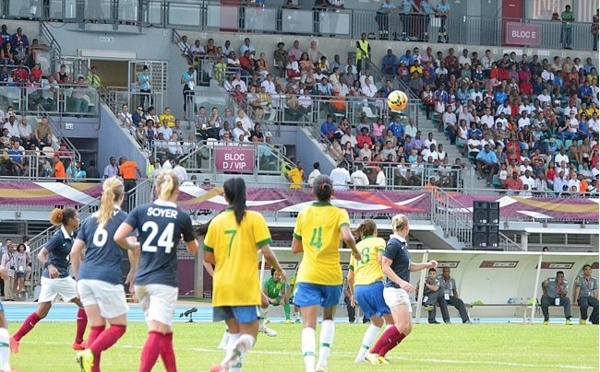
246	63
37	72
451	63
20	75
526	88
514	182
363	138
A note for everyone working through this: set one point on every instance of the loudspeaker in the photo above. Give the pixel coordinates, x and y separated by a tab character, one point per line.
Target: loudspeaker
485	236
486	213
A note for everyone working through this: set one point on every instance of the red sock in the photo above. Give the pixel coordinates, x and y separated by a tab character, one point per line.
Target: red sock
95	331
81	325
393	342
96	366
151	351
384	339
167	353
27	326
107	339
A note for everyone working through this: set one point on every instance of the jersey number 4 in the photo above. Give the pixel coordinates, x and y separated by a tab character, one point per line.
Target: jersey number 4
165	240
316	239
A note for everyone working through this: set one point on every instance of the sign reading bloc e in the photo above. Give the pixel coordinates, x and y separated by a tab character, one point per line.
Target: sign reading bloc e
237	159
522	34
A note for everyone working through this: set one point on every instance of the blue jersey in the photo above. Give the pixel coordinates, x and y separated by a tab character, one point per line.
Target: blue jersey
103	256
59	248
160	226
397	251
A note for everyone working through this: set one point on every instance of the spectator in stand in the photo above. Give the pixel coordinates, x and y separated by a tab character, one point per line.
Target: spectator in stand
328	128
20	74
188	80
567	17
62	77
19	37
93	80
247	46
390	62
43	132
595	28
112	169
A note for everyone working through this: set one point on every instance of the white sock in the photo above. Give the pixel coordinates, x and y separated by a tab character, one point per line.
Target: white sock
308	348
234	356
225	339
4	350
263	316
326	341
368	340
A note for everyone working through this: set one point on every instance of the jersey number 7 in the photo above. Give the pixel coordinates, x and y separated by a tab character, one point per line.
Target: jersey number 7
165	240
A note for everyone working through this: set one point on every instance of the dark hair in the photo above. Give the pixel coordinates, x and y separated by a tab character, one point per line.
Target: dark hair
323	188
587	265
272	271
25	248
366	228
433	270
560	272
235	193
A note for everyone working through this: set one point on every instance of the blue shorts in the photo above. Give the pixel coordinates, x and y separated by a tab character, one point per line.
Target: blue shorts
370	299
242	314
308	294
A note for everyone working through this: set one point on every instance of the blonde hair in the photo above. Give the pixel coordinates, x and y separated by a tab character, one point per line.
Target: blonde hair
399	222
367	227
112	191
167	183
60	216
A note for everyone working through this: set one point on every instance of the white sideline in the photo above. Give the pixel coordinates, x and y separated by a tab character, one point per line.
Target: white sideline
352	355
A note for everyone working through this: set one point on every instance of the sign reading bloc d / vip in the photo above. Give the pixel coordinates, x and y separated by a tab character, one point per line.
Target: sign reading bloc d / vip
237	159
522	34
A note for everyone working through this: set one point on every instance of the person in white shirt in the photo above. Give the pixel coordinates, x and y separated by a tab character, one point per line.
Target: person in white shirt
486	61
570	109
166	131
268	85
502	120
464	58
503	109
524	120
474	145
179	171
561	156
369	89
12	126
528	180
594	124
340	177
487	120
25	130
429	141
547	75
125	117
441	153
238	81
544	97
359	178
428	152
240	131
314	174
246	122
349	137
380	180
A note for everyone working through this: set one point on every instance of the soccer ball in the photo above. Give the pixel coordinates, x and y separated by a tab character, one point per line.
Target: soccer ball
397	100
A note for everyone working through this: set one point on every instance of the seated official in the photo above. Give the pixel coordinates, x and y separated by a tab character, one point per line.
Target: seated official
433	295
555	292
448	288
586	295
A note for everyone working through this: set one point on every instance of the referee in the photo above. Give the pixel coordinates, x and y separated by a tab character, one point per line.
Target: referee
129	171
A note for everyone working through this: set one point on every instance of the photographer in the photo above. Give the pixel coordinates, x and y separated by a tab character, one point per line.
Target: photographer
8	261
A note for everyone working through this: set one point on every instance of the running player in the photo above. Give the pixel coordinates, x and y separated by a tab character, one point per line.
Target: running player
365	279
160	226
56	281
231	243
275	289
99	276
396	266
319	229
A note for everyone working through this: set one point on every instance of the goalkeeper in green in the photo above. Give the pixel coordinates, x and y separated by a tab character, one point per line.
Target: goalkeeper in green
276	290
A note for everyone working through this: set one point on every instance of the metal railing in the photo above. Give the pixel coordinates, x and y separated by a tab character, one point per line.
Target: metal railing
66	100
507	244
116	97
55	49
141	194
455	219
209	15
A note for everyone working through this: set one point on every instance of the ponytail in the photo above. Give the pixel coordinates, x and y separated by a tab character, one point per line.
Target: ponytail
167	183
112	191
61	216
366	228
399	222
323	188
235	193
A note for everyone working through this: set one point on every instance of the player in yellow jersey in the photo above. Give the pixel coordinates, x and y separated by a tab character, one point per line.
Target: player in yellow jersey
319	229
365	279
231	244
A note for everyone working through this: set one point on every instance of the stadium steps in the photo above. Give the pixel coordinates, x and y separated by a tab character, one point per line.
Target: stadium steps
427	125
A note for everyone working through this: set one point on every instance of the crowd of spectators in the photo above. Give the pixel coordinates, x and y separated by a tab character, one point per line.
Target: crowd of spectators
536	120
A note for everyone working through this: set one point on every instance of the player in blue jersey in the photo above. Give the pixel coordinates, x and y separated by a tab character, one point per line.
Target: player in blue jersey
160	226
99	276
56	281
396	266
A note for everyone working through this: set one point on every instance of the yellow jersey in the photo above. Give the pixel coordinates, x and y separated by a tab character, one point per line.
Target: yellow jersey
235	279
367	270
169	118
296	176
318	227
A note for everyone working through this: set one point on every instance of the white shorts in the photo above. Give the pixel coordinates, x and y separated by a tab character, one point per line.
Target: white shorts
396	296
110	298
158	302
51	288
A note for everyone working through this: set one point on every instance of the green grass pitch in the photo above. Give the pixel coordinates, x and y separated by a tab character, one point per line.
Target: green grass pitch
456	347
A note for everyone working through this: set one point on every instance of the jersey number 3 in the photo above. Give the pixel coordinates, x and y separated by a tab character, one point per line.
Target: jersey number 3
165	240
